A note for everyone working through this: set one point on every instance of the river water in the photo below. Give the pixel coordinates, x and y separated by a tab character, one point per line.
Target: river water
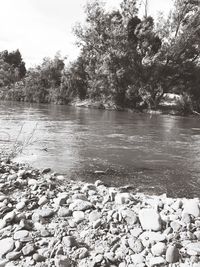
154	153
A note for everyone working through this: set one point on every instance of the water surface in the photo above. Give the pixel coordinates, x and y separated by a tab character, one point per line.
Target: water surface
154	153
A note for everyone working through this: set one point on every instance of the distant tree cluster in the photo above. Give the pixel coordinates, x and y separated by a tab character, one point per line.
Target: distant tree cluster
126	59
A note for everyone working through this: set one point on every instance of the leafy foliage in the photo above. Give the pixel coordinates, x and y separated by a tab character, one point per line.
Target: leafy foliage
124	58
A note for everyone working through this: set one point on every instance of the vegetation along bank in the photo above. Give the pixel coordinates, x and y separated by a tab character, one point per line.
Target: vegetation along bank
126	60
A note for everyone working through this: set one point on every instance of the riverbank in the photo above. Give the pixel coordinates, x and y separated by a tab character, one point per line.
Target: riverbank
171	105
47	220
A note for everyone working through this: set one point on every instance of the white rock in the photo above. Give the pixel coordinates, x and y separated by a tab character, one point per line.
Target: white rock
194	247
81	205
43	200
158	249
150	219
62	261
78	216
137	258
191	206
149	237
156	261
9	216
94	215
20	205
20	234
6	245
122	198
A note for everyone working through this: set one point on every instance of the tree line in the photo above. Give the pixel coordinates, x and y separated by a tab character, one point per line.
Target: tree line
125	59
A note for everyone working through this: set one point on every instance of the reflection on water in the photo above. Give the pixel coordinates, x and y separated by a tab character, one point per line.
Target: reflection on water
156	154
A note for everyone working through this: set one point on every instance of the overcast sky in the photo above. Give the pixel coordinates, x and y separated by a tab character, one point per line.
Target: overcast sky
40	28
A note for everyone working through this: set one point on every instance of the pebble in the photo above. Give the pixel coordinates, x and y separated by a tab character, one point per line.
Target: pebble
20	205
94	215
172	254
14	255
43	200
156	261
80	205
28	249
122	198
69	241
20	234
193	248
38	258
64	212
46	212
62	261
158	249
78	216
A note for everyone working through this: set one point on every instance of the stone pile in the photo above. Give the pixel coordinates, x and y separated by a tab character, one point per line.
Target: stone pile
48	221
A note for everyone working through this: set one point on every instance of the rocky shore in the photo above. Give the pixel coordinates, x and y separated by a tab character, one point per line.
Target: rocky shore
46	220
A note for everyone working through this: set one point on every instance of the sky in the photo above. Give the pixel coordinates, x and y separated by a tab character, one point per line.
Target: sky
40	28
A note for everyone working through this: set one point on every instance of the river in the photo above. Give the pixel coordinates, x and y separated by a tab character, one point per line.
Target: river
155	154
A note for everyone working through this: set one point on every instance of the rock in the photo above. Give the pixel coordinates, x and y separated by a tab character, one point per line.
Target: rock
46	212
122	198
28	249
38	258
2	224
14	255
96	224
88	187
4	263
177	204
45	232
64	212
193	248
20	234
62	261
21	173
82	253
135	245
80	205
80	196
158	249
94	215
78	216
129	216
172	254
6	245
150	219
136	232
69	241
148	238
42	200
20	205
186	218
98	183
59	201
156	261
191	206
98	258
137	259
46	170
176	226
9	217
